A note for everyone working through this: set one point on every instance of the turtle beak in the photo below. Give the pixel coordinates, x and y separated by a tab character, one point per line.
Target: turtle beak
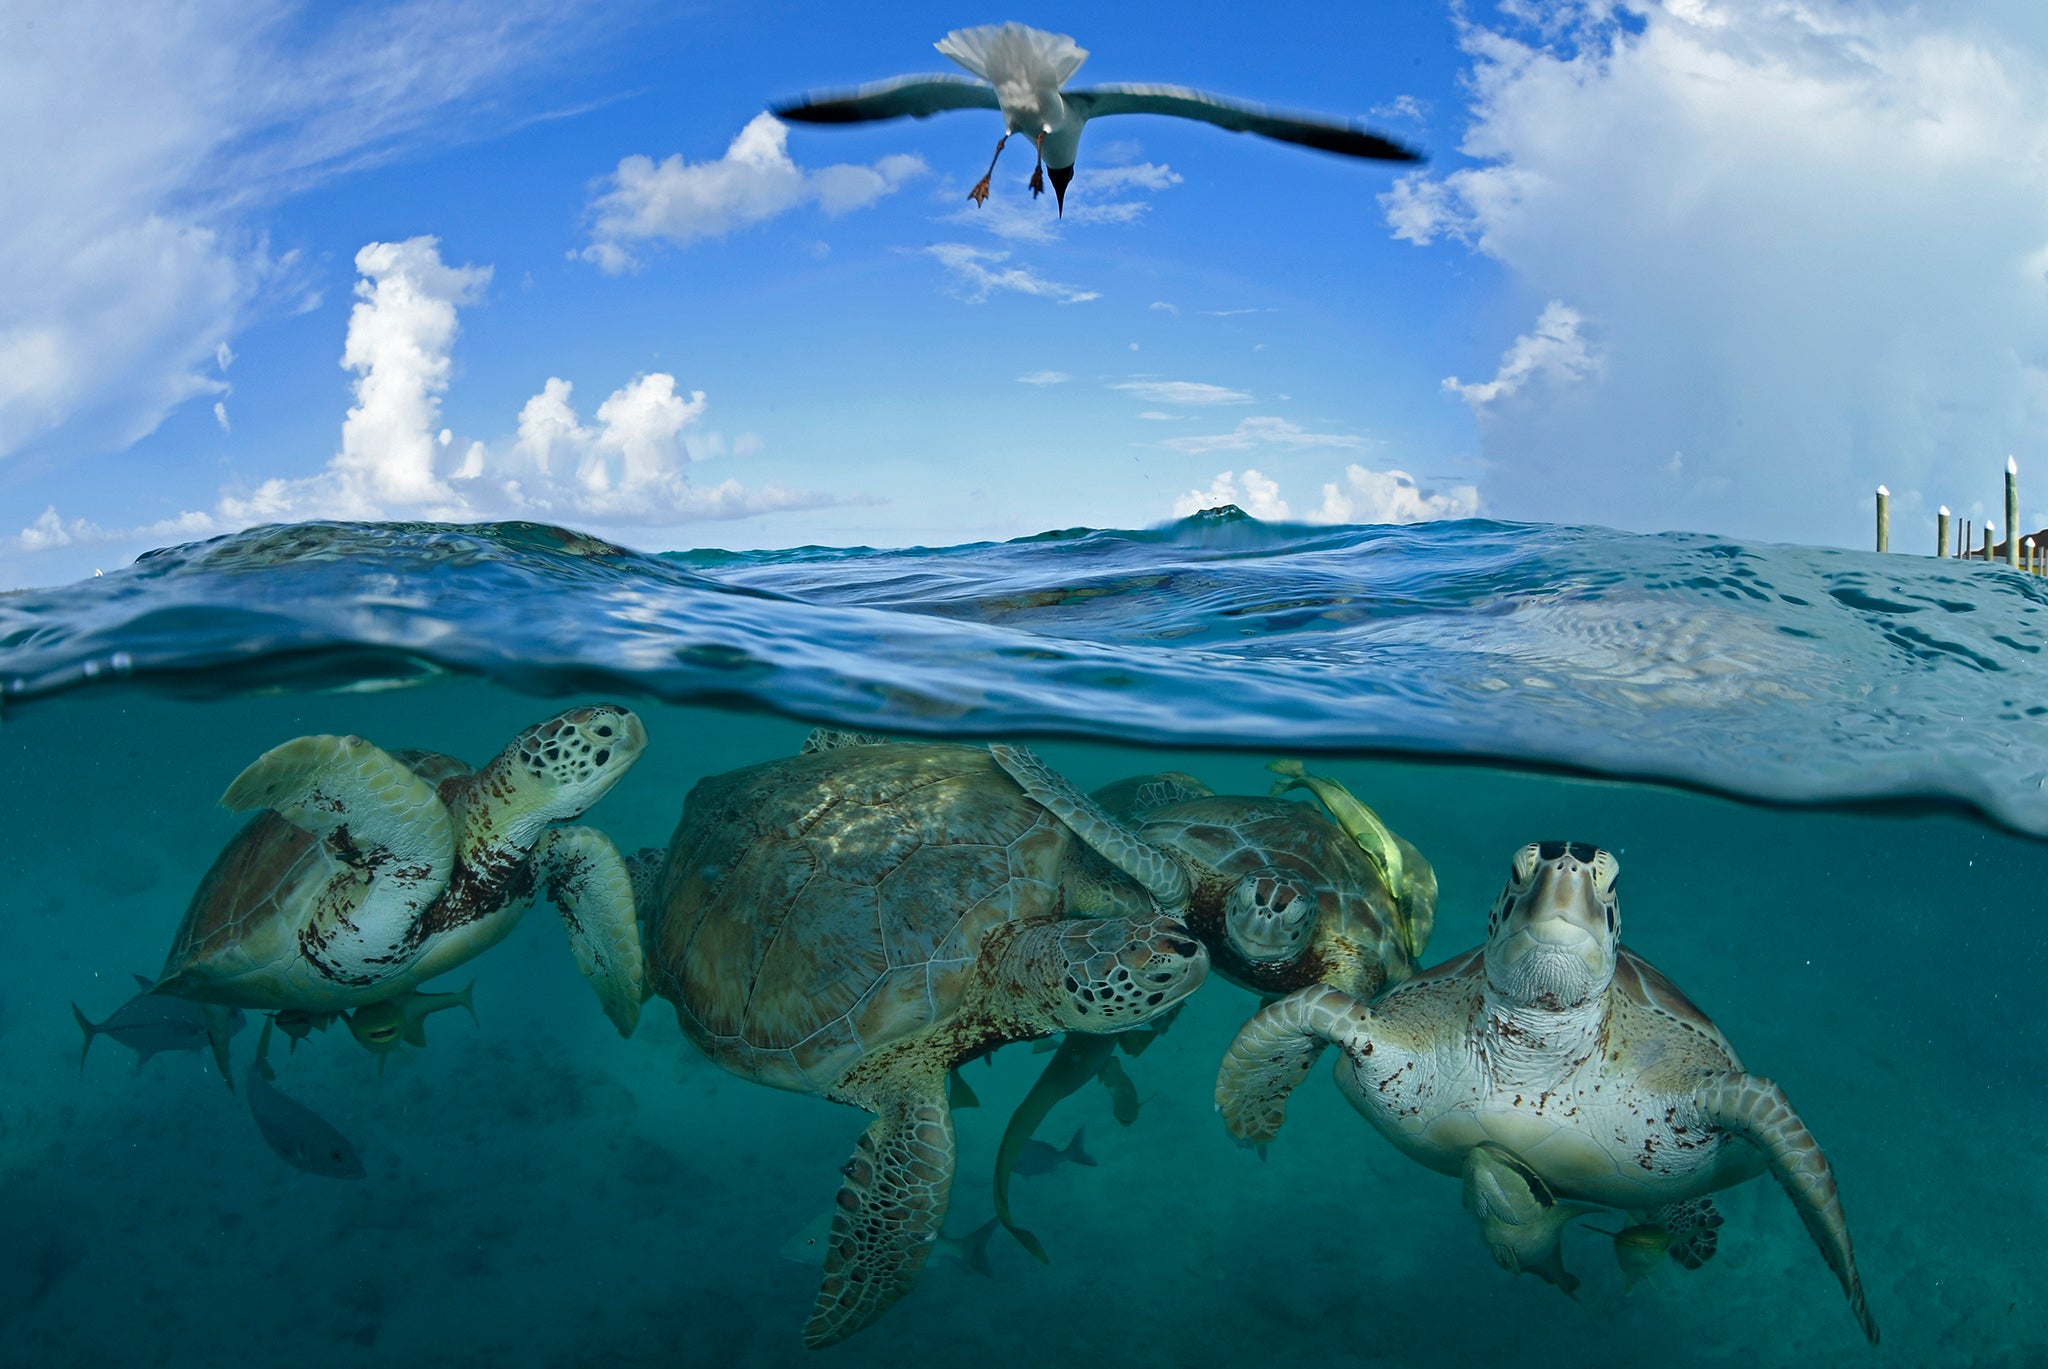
1060	176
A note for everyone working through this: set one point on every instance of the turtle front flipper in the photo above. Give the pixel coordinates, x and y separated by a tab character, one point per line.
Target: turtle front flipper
592	887
887	1218
1756	1109
1160	874
220	1025
386	828
1520	1219
1274	1051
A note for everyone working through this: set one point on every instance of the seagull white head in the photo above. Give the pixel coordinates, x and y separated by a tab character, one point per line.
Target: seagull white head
1023	72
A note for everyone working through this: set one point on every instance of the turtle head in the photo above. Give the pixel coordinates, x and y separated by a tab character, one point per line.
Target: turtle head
564	765
1120	971
378	1026
1552	940
1269	915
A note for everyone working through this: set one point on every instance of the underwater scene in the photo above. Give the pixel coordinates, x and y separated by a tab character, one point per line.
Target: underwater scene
1235	908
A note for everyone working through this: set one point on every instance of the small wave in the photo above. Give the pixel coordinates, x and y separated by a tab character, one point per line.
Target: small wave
1774	673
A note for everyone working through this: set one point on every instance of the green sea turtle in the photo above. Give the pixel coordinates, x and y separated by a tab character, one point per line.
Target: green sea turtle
1560	1048
1284	897
373	872
853	922
1281	895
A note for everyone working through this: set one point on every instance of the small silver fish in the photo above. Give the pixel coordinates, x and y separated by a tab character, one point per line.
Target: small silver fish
150	1024
1039	1158
301	1137
808	1245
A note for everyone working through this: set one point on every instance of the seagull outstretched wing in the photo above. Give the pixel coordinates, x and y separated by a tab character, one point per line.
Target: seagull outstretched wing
914	97
1239	117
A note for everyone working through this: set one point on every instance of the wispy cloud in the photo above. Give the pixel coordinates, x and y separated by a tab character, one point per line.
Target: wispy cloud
1251	434
1554	350
143	143
1406	108
1184	392
1044	378
677	202
978	272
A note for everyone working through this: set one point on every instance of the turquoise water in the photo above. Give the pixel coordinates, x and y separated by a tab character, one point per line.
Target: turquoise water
1822	772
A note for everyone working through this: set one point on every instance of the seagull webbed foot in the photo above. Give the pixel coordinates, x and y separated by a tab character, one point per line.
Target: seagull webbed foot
1037	182
980	192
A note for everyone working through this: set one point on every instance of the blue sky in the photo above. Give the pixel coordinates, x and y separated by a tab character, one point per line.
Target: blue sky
1710	264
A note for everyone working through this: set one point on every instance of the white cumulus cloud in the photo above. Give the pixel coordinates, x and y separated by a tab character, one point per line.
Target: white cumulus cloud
1360	496
677	202
1814	237
1255	494
629	467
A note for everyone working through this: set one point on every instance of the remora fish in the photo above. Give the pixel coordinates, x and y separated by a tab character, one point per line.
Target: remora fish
1039	1158
1078	1059
301	1136
808	1245
382	1027
150	1025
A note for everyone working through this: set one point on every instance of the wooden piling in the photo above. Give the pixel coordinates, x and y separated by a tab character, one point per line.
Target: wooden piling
1941	532
1884	519
2012	513
1990	542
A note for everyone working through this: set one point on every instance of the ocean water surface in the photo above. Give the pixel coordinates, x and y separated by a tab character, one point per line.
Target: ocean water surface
1824	773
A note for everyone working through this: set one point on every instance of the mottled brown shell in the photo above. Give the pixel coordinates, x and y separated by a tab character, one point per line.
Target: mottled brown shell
262	877
1357	947
816	908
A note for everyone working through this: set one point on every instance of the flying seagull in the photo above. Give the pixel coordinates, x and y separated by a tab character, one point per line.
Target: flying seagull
1023	72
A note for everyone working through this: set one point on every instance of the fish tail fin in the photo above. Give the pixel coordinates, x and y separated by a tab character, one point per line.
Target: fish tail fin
85	1025
263	1051
958	1094
464	998
1077	1152
974	1247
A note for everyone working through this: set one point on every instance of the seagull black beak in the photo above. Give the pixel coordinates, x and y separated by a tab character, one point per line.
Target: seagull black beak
1060	176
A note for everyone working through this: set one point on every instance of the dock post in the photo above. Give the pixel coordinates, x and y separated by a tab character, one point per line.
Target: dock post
2012	513
1884	519
1990	541
1941	532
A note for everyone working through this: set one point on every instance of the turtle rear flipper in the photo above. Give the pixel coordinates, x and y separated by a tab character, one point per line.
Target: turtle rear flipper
592	887
1158	873
1695	1227
1757	1110
887	1218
